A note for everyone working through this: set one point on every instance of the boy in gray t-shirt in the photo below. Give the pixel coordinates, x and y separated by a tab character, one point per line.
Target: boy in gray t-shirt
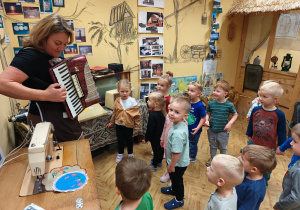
225	172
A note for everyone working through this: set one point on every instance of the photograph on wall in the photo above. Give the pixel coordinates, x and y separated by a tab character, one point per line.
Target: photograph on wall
31	12
1	5
157	68
20	40
71	24
145	64
144	90
80	35
20	28
152	3
85	50
58	3
180	84
151	46
46	6
27	1
145	74
153	87
16	50
151	22
208	80
214	35
13	8
1	22
71	49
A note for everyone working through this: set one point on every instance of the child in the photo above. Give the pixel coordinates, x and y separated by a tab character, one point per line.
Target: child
225	172
290	196
163	85
125	115
281	151
196	117
218	111
267	122
177	151
164	137
256	160
155	127
133	179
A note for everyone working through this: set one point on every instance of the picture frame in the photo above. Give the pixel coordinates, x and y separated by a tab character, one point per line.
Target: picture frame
80	35
151	46
46	7
20	28
71	49
58	3
31	12
13	8
85	50
151	22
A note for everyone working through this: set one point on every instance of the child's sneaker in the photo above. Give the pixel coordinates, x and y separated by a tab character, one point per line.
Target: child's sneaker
165	177
159	164
170	184
167	191
192	160
130	155
119	158
208	162
152	167
173	204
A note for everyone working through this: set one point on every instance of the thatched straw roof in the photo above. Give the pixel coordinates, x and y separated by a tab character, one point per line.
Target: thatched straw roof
263	6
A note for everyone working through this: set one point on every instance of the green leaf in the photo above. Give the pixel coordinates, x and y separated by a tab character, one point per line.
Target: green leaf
99	38
129	43
112	45
111	30
126	49
92	28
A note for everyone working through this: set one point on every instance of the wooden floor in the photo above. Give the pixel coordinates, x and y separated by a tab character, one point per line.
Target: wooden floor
197	188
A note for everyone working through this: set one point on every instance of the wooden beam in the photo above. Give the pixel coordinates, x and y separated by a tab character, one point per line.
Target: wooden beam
271	40
238	77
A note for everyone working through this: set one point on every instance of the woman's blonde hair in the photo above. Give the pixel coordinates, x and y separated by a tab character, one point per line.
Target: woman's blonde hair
44	28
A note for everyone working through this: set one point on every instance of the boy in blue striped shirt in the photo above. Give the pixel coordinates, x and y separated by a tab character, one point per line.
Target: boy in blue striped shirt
217	114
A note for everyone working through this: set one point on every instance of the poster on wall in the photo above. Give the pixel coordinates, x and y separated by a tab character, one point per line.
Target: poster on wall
85	50
46	6
20	28
180	84
288	26
58	3
71	24
151	68
20	40
151	22
16	50
1	22
80	35
13	8
146	88
151	46
71	49
31	12
152	3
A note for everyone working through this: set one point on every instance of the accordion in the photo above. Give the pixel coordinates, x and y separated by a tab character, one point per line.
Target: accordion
74	73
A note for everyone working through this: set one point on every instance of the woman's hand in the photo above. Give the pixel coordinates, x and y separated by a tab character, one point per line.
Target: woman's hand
55	93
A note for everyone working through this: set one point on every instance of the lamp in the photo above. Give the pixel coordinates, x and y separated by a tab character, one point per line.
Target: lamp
287	62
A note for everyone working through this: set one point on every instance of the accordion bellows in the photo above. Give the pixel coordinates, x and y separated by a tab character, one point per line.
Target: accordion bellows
74	73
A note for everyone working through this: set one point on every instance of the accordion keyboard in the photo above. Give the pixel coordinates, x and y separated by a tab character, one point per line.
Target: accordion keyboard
63	77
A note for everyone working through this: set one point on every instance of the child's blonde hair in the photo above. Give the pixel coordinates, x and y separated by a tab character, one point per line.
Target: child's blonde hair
263	158
223	84
232	169
123	82
167	78
183	102
296	129
159	97
273	87
197	84
178	95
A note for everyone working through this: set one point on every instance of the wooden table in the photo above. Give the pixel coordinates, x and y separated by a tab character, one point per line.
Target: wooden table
75	153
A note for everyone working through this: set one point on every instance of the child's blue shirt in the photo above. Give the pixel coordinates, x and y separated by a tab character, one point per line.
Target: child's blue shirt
196	113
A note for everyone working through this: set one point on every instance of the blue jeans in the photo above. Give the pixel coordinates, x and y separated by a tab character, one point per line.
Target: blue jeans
267	176
193	141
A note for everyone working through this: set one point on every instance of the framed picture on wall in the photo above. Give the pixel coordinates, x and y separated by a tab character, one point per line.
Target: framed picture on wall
13	8
151	46
71	49
31	12
46	6
80	35
58	3
151	22
20	28
20	40
85	50
152	3
1	22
